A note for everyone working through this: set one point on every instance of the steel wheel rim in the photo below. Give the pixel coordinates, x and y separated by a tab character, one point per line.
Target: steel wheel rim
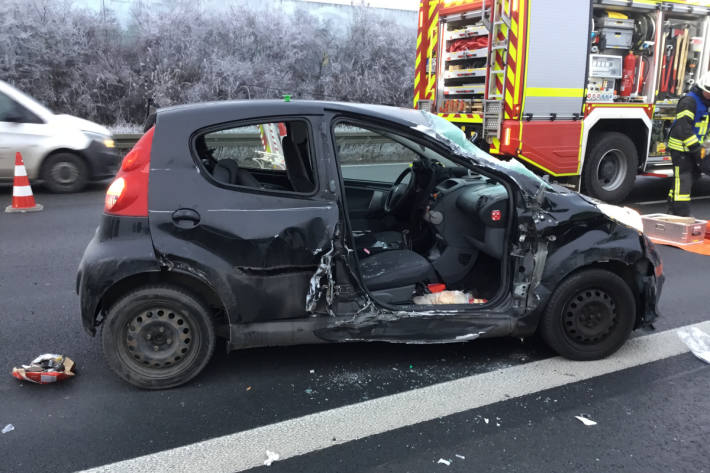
65	173
612	169
590	316
160	339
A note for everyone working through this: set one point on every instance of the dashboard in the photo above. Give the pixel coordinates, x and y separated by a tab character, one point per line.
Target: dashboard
468	214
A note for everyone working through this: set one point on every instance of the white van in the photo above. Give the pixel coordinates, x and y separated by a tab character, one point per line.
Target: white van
64	151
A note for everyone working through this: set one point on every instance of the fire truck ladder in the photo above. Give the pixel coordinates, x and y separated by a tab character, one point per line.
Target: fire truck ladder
498	67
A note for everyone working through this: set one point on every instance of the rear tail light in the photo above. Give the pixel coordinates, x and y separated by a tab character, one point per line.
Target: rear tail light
114	192
128	193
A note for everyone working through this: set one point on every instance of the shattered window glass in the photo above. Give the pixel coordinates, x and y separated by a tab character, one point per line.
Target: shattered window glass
445	131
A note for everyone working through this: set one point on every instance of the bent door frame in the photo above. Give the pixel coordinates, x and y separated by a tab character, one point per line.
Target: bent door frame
500	304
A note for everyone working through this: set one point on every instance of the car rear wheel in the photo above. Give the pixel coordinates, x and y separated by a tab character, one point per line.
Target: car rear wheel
158	337
610	168
65	172
589	316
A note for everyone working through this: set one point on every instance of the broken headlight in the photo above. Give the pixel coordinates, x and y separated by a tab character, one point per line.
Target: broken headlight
622	215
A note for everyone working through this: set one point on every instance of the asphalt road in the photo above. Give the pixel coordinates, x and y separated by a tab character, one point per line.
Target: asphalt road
651	418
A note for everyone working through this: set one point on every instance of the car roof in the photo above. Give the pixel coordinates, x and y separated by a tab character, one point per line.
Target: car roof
256	108
175	123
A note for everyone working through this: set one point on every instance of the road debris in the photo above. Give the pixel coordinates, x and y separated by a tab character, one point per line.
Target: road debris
308	391
444	462
584	418
313	371
460	456
271	457
697	340
248	388
485	419
8	428
45	369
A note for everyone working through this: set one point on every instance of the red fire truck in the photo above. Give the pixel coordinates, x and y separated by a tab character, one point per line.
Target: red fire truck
583	90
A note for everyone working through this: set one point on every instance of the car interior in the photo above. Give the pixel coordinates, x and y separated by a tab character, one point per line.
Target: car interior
419	222
237	156
436	223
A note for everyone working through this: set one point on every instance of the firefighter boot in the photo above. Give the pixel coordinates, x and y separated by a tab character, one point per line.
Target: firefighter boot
681	209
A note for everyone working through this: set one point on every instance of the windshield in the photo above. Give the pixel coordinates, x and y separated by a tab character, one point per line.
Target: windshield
444	130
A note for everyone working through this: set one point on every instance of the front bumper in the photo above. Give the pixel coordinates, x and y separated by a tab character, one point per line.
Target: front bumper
651	285
103	161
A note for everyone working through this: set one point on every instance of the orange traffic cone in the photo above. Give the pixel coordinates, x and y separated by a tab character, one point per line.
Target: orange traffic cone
22	198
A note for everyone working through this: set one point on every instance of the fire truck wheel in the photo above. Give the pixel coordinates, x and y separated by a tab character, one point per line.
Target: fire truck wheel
610	167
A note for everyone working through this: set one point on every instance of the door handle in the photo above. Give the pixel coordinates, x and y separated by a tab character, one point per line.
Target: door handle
186	218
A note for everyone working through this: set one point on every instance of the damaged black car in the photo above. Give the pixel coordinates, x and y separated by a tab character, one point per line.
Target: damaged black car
266	223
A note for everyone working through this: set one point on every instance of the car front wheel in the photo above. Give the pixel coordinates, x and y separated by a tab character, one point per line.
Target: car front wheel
158	337
65	172
589	316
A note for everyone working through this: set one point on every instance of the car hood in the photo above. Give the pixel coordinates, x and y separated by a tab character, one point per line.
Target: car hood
563	210
70	121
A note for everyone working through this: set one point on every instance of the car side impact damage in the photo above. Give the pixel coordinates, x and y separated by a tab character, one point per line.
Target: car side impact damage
280	236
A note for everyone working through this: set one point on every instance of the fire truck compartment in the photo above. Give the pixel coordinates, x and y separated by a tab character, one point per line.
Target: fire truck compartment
552	82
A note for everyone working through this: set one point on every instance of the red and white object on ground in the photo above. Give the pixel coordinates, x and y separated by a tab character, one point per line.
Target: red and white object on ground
22	198
45	369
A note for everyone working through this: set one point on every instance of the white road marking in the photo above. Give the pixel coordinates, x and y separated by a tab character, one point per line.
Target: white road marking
310	433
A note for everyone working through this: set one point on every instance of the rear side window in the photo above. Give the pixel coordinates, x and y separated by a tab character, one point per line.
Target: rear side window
272	156
11	111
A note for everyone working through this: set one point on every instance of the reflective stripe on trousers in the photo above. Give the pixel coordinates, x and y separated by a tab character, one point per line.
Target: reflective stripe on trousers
685	172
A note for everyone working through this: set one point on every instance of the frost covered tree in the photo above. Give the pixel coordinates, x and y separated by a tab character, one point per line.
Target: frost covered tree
85	63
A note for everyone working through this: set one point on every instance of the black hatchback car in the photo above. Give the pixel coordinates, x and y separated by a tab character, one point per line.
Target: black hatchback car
277	223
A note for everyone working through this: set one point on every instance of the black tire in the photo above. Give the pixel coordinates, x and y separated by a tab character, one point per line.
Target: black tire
65	172
589	316
610	167
171	319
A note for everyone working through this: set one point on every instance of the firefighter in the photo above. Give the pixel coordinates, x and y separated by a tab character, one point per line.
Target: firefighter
685	142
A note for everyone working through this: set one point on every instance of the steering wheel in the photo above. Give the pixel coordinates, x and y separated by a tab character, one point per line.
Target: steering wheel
399	191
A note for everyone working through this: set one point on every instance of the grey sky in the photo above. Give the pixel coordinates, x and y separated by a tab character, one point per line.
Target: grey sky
403	12
412	5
